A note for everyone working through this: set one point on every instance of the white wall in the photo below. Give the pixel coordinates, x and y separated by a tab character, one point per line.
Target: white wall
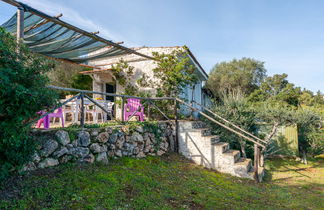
142	65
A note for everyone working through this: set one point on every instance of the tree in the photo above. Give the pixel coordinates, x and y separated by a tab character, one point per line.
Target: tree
276	89
67	75
244	75
23	93
236	109
310	134
173	72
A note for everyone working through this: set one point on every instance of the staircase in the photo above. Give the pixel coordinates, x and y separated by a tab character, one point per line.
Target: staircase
198	144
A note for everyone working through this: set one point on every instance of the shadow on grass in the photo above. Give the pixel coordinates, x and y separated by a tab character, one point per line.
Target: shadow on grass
292	168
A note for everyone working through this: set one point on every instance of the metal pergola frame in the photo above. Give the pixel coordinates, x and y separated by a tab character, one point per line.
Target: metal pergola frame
20	26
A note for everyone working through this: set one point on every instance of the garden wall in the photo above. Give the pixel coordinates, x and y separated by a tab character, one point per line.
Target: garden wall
90	145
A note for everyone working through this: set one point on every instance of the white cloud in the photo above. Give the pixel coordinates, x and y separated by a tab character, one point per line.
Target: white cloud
73	17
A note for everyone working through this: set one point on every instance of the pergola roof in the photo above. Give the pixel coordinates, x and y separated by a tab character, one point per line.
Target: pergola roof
55	38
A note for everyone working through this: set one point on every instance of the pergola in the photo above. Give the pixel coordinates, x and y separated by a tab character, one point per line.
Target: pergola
52	37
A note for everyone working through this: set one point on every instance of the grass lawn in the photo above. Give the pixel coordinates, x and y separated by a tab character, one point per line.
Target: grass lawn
164	183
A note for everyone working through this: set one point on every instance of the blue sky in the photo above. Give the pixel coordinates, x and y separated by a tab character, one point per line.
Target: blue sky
287	35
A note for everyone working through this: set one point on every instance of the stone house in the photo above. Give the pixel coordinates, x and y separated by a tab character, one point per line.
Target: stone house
104	81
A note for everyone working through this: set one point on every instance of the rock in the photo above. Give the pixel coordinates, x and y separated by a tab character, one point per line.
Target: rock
35	157
160	152
147	148
102	157
136	150
137	137
69	146
118	153
166	146
48	162
152	150
94	133
60	152
139	129
127	138
83	138
141	155
62	137
111	153
66	158
89	158
120	142
103	137
29	167
75	143
48	148
146	136
109	130
96	148
153	139
113	138
112	147
79	152
125	153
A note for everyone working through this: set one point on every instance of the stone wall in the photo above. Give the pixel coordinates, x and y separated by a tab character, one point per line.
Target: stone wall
99	144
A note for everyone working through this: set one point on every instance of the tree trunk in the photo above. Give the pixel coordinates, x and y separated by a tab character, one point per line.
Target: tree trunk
273	132
242	144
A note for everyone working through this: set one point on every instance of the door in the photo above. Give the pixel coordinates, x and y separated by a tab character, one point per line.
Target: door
110	89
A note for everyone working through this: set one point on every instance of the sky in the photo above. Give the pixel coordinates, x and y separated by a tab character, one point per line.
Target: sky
287	35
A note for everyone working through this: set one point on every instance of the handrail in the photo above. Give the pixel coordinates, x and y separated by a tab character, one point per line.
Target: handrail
216	115
221	124
108	94
250	137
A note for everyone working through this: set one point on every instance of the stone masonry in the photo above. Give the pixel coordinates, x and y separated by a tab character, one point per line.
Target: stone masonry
99	144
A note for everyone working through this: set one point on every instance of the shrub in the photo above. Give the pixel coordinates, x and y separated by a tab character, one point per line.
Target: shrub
235	108
22	95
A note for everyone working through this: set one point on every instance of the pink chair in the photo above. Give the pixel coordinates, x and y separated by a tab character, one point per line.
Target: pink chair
132	106
46	120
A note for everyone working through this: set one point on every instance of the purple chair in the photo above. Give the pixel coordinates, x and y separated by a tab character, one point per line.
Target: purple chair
131	107
46	120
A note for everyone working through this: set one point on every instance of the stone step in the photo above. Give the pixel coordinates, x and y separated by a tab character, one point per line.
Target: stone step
214	139
205	132
231	156
199	124
221	147
243	163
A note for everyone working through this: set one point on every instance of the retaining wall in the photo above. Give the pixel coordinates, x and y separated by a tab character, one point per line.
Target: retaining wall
90	145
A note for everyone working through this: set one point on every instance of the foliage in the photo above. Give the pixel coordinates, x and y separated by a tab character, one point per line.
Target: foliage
244	75
276	89
22	95
123	74
67	75
310	135
235	108
168	182
173	72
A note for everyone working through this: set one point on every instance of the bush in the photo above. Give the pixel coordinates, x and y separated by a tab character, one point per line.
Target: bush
310	132
235	108
22	95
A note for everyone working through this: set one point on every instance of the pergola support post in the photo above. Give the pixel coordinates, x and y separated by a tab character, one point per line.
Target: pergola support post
20	24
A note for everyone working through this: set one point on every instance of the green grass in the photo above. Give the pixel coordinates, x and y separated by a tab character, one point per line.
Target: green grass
168	182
